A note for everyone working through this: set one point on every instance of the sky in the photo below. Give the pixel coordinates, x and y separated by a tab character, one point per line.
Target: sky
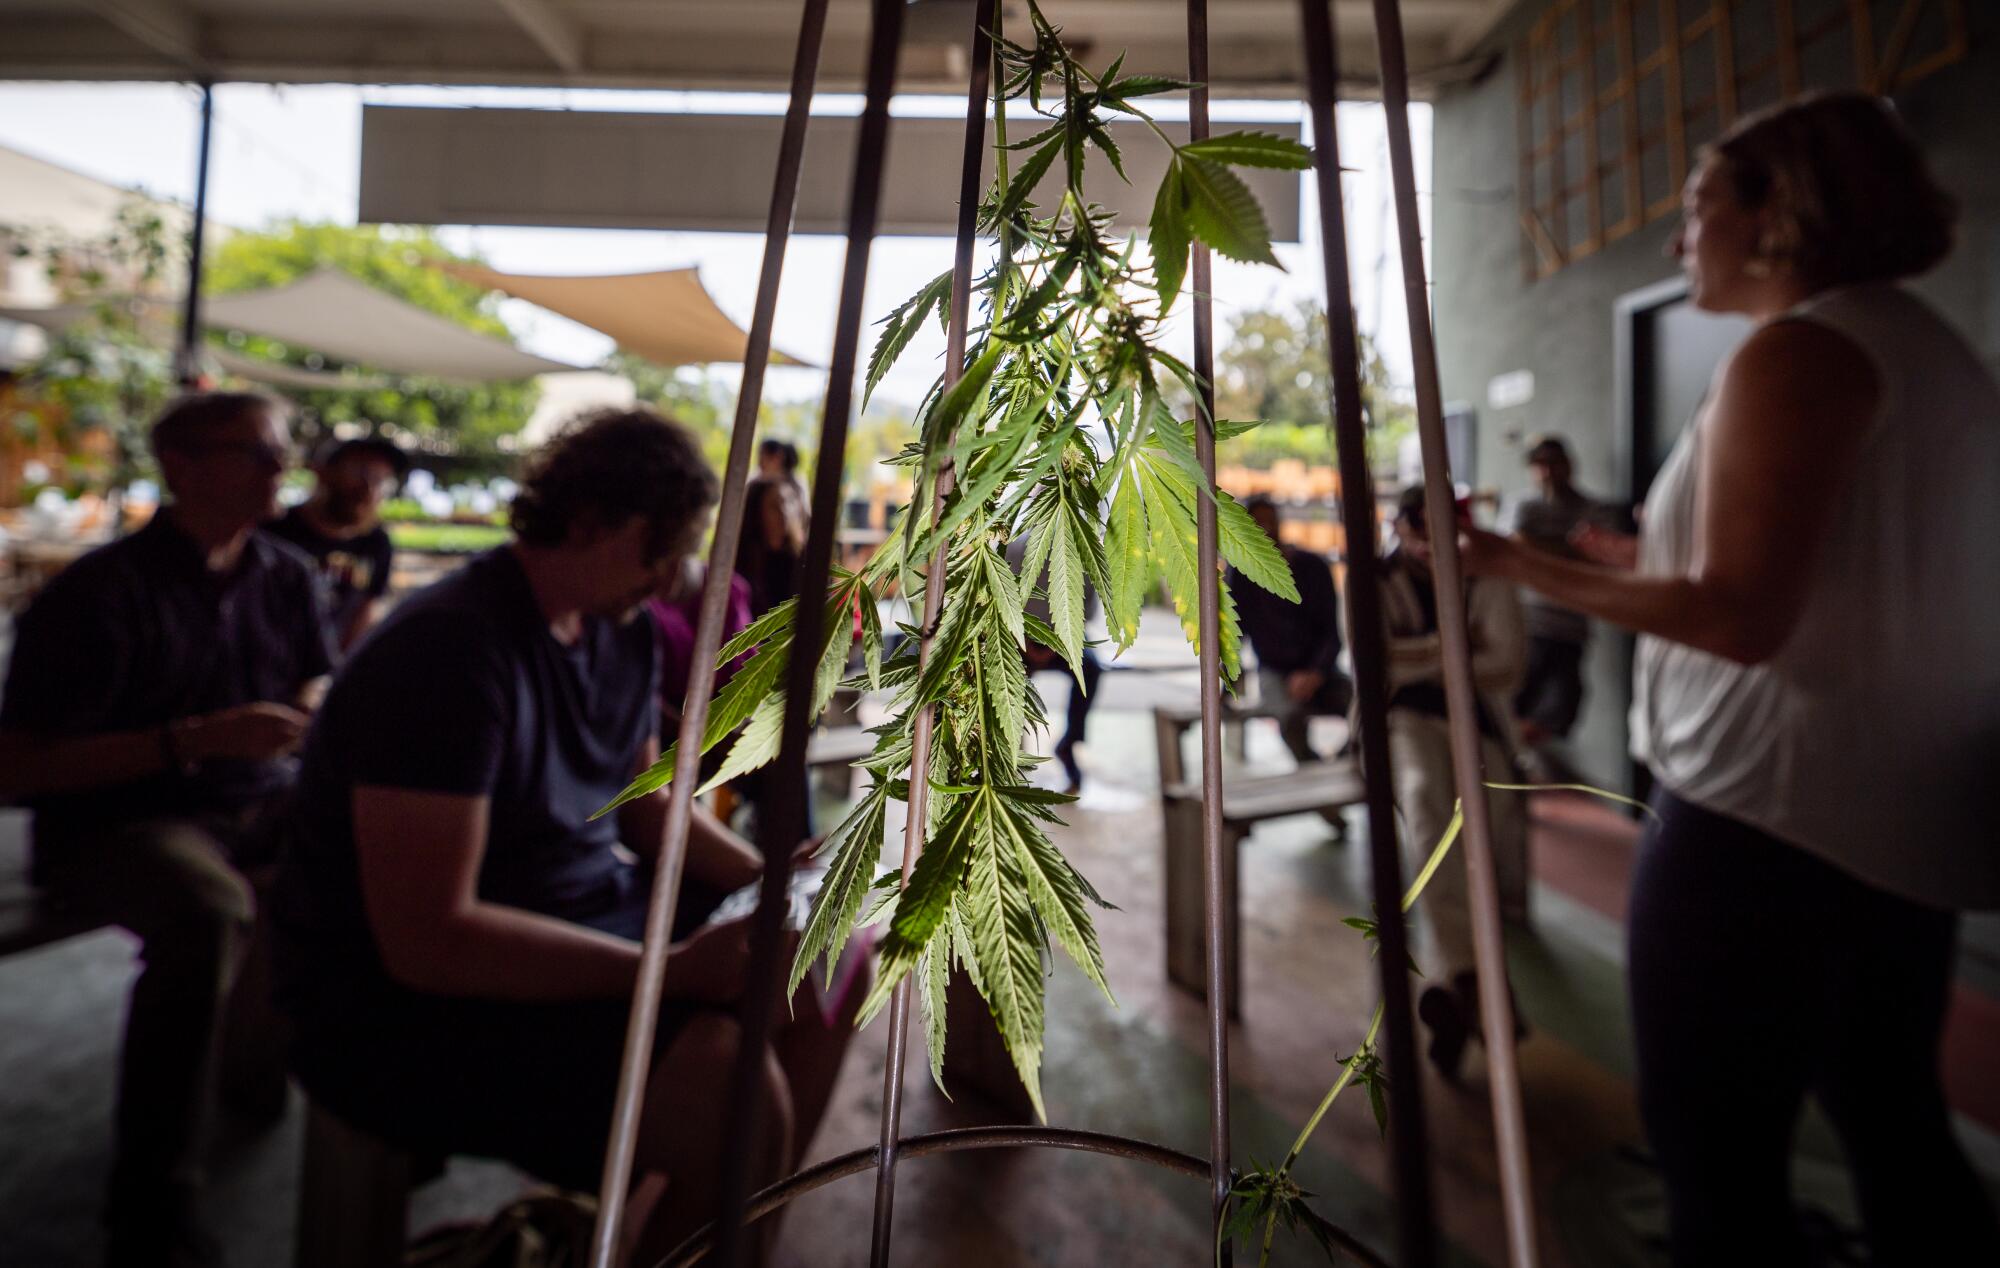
295	152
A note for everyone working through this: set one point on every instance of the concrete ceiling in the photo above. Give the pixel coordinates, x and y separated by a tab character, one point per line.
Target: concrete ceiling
712	44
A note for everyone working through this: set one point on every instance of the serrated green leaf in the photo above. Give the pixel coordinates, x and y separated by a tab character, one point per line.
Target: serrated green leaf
1055	890
1066	572
1251	149
933	881
1021	183
1131	563
900	326
756	746
1251	550
1167	234
1222	212
1007	947
934	979
856	843
1142	86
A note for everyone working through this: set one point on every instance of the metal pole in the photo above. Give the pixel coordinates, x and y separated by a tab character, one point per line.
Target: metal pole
188	372
779	831
1496	1005
1416	1233
638	1056
985	19
1217	884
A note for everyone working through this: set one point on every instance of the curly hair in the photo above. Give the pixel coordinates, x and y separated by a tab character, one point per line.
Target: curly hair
610	465
1847	186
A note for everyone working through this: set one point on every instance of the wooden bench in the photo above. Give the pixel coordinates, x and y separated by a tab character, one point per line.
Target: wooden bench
1321	788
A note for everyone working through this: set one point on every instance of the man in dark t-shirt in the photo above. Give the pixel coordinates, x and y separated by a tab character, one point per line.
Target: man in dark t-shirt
340	527
157	689
458	936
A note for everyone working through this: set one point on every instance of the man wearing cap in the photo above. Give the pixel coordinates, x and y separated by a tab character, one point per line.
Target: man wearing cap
340	527
1551	693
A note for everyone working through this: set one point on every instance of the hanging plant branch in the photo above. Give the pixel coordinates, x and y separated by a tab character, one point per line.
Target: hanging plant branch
1057	431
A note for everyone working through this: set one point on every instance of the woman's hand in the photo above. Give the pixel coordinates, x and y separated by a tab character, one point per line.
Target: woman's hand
1482	553
1605	546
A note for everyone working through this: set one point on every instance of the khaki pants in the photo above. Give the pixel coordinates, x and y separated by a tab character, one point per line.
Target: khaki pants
170	882
1420	757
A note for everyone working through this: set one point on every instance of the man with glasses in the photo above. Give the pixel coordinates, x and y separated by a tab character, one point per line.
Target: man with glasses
340	526
157	690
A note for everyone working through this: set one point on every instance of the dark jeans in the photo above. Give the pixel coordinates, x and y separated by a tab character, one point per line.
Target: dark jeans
171	882
1759	974
1082	694
1551	693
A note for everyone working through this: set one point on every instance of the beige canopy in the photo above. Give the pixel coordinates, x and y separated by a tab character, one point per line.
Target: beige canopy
667	317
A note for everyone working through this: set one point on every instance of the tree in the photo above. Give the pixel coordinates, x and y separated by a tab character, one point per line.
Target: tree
1275	370
461	424
97	386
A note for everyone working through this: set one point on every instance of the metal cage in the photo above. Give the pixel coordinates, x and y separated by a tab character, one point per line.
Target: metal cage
1416	1243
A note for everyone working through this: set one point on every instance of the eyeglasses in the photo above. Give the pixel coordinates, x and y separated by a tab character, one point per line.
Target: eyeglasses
278	457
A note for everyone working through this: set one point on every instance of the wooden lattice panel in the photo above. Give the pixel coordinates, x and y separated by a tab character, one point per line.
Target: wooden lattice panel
1615	96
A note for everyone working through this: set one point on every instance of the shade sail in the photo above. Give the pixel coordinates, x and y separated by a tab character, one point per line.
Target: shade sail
344	317
667	317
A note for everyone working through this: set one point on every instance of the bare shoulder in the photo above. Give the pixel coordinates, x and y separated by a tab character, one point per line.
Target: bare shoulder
1801	360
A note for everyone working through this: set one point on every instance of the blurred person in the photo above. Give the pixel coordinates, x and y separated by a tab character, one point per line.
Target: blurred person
458	929
1420	759
157	687
1817	695
773	544
778	459
340	527
1551	694
1297	644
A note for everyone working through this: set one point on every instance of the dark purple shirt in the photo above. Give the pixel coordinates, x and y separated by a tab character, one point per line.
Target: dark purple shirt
138	633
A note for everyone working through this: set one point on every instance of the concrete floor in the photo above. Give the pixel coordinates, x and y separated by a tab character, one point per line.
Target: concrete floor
1136	1069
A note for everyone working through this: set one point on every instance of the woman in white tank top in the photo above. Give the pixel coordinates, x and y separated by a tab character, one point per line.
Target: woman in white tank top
1817	692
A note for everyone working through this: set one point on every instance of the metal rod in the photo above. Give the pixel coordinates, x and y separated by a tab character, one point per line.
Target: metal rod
189	370
1496	1005
638	1057
780	830
1217	881
962	1139
984	19
1416	1230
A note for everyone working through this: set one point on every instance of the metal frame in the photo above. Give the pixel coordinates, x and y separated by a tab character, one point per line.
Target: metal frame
1417	1237
1556	56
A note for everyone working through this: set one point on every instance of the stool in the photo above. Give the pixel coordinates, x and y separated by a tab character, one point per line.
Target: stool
354	1195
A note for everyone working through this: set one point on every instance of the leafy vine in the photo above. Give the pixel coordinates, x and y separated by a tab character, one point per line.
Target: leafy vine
1058	429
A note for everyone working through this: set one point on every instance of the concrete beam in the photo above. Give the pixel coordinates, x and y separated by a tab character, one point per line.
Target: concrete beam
161	25
559	37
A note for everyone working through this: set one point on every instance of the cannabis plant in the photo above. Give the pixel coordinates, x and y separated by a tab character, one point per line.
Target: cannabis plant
1058	430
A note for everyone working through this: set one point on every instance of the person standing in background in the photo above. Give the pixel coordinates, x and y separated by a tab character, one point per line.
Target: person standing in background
1551	694
773	543
340	527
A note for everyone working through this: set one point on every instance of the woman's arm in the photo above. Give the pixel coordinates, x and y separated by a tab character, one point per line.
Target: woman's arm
1790	412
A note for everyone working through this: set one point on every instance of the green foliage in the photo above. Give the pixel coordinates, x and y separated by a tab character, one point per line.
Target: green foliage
104	376
1058	432
1274	368
471	425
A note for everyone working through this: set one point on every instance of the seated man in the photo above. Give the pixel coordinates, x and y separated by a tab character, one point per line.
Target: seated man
1420	760
157	686
340	526
1297	644
457	935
